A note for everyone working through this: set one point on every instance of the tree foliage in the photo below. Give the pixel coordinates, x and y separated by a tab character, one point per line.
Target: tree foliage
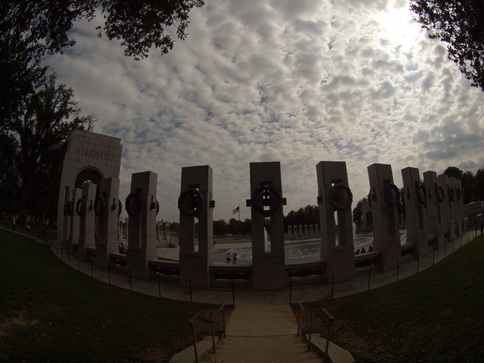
37	116
461	25
358	211
303	216
44	25
38	133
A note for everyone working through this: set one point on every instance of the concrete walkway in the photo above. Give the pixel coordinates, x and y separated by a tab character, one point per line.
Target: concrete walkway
260	334
364	280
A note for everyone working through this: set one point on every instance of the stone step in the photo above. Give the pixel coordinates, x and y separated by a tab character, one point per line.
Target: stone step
282	349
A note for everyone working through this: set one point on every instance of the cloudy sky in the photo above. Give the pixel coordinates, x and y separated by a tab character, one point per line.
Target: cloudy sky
280	80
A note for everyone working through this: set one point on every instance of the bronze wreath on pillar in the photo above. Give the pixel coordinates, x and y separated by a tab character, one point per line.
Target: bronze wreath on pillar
421	193
338	203
439	193
391	194
266	196
134	204
81	207
191	203
450	193
99	205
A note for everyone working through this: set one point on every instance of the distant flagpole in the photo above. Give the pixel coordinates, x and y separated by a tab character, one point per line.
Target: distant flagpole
237	210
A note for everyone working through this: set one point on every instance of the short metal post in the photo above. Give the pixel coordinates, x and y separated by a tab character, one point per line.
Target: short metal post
369	277
301	308
191	294
310	328
222	309
194	342
92	272
290	291
213	334
159	287
331	319
332	286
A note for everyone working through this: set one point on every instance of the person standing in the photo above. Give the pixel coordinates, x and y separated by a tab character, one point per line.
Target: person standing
228	257
234	260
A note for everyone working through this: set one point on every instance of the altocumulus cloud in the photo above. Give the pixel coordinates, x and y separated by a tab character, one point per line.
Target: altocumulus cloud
282	80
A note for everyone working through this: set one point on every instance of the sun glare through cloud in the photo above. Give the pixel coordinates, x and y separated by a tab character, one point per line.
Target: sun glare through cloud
399	27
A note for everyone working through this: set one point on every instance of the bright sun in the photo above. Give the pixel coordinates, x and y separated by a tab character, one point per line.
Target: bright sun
399	27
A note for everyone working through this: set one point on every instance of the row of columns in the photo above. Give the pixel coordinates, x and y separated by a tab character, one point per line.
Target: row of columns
430	209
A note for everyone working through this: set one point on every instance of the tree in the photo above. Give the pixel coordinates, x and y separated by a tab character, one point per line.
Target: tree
453	171
468	185
9	179
479	185
219	227
461	25
358	212
304	216
42	127
44	25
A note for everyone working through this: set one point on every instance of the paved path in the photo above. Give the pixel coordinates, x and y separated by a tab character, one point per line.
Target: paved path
262	334
362	282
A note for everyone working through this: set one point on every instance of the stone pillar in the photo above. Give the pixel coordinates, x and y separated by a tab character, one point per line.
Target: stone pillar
335	197
268	266
446	214
85	209
435	195
142	206
67	218
415	196
196	201
89	156
73	243
454	212
385	198
459	193
107	210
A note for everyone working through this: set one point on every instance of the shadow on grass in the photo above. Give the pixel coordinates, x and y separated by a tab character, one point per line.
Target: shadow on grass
50	312
434	316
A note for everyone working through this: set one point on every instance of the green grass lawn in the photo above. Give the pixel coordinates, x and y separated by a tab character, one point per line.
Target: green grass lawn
434	316
51	312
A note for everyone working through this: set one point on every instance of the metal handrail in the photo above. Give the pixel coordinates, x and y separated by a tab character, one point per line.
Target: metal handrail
223	318
192	322
330	319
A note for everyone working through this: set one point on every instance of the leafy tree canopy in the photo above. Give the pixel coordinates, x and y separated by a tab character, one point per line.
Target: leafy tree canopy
140	25
461	25
38	135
